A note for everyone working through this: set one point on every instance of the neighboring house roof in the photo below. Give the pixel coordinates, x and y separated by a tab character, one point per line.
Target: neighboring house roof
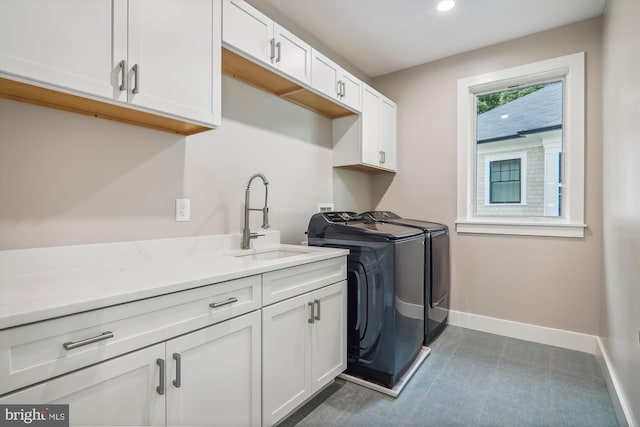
536	112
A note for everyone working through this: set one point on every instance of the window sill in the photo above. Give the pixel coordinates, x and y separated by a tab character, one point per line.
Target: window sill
521	228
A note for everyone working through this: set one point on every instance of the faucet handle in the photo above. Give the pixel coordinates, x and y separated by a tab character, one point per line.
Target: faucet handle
255	235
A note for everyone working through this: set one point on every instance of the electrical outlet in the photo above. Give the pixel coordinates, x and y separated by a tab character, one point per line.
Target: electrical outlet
183	210
325	207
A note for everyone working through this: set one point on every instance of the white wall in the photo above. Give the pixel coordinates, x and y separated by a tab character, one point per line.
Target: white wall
553	282
71	179
621	176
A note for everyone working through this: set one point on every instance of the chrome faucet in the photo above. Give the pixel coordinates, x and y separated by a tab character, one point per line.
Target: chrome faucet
247	235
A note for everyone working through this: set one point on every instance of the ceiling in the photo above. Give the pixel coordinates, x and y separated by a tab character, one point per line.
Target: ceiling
382	36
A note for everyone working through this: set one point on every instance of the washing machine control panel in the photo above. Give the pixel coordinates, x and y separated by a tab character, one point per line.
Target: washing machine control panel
342	217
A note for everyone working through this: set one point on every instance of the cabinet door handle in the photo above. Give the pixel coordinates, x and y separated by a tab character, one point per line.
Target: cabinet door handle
279	48
103	336
225	302
272	44
160	388
178	380
382	157
344	89
339	88
136	77
311	316
317	304
123	75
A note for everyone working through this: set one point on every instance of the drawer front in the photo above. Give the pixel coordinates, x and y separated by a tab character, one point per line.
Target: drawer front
39	351
286	283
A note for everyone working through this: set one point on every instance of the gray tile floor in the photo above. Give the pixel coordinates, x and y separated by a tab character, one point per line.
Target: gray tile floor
473	378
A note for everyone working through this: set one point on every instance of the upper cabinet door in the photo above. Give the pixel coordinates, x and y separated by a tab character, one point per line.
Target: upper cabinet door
248	30
351	93
292	55
174	54
370	126
66	43
387	142
324	74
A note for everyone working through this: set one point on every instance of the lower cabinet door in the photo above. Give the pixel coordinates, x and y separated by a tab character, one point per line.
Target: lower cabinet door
214	375
286	357
329	334
118	392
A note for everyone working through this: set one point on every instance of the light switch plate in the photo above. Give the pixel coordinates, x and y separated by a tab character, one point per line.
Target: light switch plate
183	209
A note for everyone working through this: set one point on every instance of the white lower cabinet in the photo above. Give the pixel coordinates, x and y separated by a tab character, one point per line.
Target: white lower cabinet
214	375
120	391
210	377
304	348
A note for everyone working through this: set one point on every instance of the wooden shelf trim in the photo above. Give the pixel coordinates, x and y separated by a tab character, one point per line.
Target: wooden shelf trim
247	71
365	168
30	94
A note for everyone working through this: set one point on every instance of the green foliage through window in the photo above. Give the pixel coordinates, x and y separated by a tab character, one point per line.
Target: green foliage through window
492	100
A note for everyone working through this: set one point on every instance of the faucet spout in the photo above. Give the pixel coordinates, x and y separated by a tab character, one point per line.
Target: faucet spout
246	232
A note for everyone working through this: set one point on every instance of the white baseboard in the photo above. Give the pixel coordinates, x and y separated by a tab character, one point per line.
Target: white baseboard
525	331
619	399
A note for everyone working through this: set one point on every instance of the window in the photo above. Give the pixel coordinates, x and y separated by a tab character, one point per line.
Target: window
504	181
521	150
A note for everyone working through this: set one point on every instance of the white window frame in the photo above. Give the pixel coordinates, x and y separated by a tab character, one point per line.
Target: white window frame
488	158
569	68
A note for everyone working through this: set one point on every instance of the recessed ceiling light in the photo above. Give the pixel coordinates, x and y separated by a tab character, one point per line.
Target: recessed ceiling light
504	116
445	5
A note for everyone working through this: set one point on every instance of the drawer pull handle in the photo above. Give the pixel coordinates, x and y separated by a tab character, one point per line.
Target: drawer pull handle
103	336
311	315
221	303
160	388
178	380
317	303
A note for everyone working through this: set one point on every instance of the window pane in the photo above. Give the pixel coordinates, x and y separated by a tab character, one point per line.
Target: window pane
518	148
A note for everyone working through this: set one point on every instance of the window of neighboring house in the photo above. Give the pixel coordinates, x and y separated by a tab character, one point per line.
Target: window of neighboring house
521	150
504	181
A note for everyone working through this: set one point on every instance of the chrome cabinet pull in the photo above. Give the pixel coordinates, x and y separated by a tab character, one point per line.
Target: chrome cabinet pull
225	302
123	75
160	388
339	88
344	90
136	76
279	48
103	336
311	317
178	380
272	44
317	304
382	156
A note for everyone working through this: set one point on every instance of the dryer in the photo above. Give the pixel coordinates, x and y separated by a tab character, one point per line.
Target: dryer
385	314
437	269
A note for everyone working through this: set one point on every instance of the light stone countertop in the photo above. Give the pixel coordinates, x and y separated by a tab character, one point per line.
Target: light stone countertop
43	283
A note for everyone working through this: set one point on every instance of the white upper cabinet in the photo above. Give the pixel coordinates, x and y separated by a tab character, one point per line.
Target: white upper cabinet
162	57
66	43
247	30
174	57
367	142
292	56
330	79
